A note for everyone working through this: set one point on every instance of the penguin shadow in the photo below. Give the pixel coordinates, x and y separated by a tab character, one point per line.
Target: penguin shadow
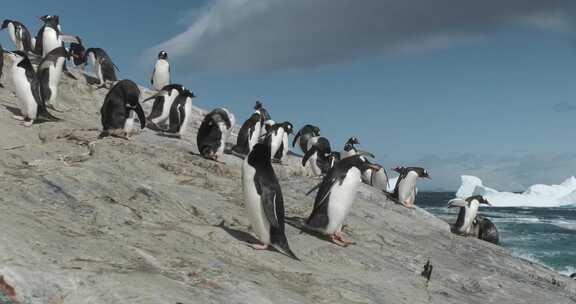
198	155
15	111
91	80
300	224
239	235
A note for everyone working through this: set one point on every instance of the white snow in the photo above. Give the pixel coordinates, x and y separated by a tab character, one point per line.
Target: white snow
563	194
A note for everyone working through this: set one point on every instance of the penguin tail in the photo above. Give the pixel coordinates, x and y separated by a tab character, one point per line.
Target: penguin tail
285	250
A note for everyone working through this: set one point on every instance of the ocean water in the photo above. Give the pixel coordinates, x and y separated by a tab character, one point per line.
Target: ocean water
543	235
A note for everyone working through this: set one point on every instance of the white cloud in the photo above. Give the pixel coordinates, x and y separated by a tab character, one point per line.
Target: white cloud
256	35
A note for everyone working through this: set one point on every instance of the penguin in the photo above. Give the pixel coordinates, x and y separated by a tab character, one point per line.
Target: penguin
264	115
27	89
303	135
50	35
319	153
104	67
405	189
264	201
76	54
118	110
1	64
283	151
265	120
212	134
335	197
49	73
350	149
248	136
487	231
19	35
161	74
469	223
163	104
573	276
376	178
277	139
180	114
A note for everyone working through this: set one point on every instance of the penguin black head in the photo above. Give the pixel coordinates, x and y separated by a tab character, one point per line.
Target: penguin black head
288	128
260	155
316	131
353	141
258	105
187	93
481	200
51	20
420	171
361	163
350	143
5	24
163	55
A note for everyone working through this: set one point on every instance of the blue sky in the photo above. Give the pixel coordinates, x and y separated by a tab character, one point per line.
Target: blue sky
487	91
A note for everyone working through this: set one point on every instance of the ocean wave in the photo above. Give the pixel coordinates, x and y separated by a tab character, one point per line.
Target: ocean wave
561	195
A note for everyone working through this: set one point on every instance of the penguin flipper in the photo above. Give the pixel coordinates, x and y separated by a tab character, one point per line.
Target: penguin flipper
270	203
296	138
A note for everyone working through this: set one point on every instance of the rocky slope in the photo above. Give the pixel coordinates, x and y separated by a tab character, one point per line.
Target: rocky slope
149	221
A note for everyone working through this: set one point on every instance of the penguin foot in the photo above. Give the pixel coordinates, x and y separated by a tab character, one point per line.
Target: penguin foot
28	123
17	117
409	206
55	108
340	241
259	246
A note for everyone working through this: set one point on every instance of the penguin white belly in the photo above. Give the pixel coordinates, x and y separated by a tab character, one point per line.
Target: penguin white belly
314	164
187	114
223	135
258	219
129	123
253	140
341	199
285	145
277	141
12	34
161	75
367	177
24	93
54	79
469	217
379	179
167	106
312	141
50	40
407	188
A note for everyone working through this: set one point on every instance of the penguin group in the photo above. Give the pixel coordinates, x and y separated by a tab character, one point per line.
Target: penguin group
38	64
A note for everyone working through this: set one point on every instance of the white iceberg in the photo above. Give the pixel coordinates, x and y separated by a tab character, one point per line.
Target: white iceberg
563	194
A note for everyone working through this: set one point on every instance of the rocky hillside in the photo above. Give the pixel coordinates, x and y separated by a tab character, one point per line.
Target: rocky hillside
84	220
